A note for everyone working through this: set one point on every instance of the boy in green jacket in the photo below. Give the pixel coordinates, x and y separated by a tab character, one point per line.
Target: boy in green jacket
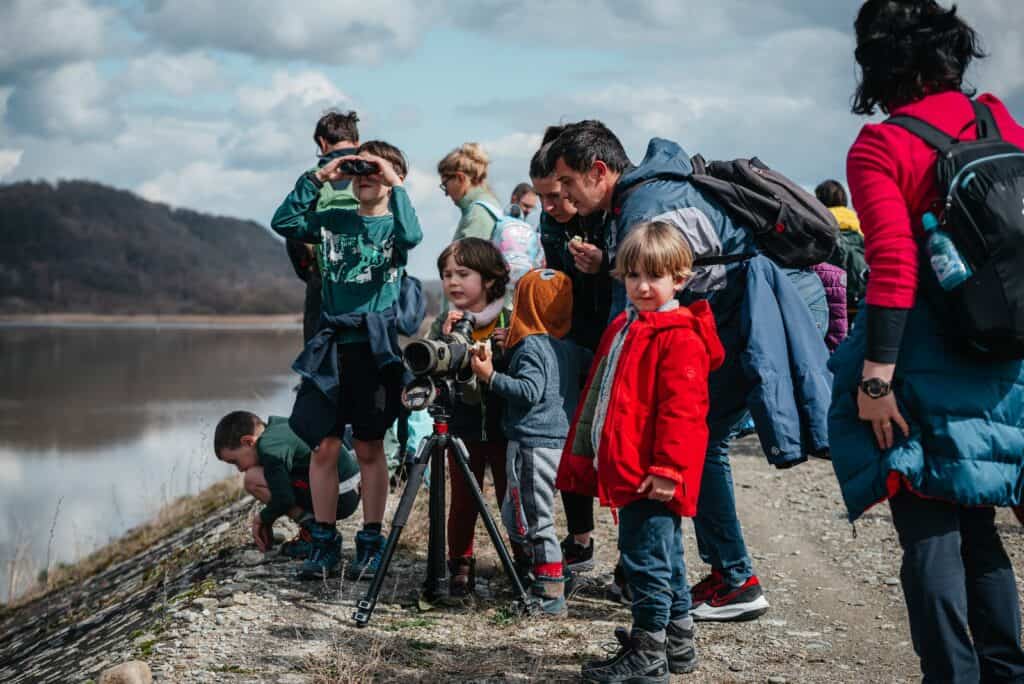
276	466
352	367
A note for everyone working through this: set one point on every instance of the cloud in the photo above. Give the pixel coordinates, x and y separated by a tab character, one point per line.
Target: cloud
180	75
9	160
321	31
203	183
39	35
72	102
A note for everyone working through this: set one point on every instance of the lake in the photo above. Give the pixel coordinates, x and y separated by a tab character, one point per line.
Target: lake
102	426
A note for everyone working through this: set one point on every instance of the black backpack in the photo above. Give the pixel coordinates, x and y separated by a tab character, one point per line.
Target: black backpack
790	225
981	183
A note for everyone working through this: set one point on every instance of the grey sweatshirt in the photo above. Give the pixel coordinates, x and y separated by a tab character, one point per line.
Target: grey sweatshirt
540	388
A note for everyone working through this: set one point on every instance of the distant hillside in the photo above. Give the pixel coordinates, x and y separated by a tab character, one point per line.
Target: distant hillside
85	247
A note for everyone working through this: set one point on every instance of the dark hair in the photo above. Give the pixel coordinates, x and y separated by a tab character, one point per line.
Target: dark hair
481	256
232	428
539	166
335	126
831	193
389	152
907	49
580	144
522	189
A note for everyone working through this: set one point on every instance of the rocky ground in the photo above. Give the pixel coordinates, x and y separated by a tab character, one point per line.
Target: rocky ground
223	612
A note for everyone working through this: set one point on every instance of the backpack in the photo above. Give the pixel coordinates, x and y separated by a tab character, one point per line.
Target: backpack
410	307
790	225
518	241
981	187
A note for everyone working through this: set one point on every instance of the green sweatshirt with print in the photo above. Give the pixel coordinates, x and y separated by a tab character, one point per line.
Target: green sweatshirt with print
364	257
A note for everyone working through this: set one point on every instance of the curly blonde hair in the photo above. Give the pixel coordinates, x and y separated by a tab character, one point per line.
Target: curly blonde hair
468	158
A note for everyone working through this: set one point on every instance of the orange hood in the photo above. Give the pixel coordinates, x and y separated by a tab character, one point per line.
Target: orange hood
542	306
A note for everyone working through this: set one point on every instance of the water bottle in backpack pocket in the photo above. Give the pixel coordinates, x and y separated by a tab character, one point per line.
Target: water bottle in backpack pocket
948	265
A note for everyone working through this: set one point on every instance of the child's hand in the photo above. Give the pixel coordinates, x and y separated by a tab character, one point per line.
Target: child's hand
387	175
330	173
661	489
586	256
499	336
483	365
262	534
453	317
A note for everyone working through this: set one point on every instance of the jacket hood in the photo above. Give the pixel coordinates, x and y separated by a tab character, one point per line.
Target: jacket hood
479	193
846	218
662	157
334	154
698	318
542	306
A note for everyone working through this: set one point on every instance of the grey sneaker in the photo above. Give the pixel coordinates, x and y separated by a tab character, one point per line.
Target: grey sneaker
639	660
680	649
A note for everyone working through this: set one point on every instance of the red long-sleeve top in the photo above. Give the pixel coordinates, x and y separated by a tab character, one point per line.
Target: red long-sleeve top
891	174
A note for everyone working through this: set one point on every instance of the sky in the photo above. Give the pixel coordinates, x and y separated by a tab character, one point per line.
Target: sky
212	105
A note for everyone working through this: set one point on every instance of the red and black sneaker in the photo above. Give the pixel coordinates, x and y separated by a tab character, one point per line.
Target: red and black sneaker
706	588
733	604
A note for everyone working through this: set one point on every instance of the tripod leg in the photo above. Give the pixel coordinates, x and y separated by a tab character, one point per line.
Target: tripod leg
492	528
364	609
437	553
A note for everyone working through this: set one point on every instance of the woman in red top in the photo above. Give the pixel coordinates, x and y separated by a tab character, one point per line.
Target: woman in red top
957	580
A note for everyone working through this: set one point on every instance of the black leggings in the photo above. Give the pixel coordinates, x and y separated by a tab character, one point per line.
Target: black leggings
579	512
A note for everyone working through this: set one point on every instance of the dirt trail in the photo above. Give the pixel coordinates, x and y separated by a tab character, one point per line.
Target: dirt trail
837	611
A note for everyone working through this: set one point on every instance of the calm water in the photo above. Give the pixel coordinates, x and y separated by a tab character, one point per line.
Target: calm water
100	427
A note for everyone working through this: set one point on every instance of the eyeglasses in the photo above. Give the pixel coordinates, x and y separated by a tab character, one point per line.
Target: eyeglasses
444	184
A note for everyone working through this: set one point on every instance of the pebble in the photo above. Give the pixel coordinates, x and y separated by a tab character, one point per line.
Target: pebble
206	603
252	557
892	582
132	672
777	680
737	667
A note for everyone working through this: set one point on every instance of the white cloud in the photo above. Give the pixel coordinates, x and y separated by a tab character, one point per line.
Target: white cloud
9	160
303	89
44	34
203	183
180	75
70	102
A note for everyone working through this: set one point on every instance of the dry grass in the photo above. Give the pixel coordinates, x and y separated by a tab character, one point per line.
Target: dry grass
182	512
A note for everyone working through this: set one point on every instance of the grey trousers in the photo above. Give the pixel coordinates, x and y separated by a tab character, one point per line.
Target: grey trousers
528	510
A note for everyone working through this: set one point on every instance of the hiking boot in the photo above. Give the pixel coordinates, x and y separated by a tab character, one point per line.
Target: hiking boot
733	604
369	552
706	588
461	576
680	650
640	659
551	592
301	546
324	555
523	565
618	591
578	558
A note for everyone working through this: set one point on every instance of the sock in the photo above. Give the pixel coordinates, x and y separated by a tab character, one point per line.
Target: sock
306	519
658	636
327	528
684	623
375	528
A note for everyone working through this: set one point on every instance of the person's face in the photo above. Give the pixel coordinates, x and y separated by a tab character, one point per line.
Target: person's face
587	190
529	203
464	287
552	200
455	185
650	292
369	189
244	456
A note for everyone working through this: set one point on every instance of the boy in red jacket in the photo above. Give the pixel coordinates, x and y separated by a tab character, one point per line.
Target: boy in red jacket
638	443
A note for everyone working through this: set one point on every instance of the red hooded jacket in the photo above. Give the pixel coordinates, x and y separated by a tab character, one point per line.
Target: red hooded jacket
656	420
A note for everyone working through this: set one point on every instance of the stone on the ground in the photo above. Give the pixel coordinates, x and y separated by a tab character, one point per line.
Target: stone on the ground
132	672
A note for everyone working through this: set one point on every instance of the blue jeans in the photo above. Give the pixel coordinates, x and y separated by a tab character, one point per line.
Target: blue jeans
960	592
651	548
717	526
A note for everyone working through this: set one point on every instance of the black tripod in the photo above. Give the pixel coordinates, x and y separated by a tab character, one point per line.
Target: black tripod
431	452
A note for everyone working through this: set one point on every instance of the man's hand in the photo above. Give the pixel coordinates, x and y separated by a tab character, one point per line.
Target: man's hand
262	534
657	488
482	363
452	319
586	256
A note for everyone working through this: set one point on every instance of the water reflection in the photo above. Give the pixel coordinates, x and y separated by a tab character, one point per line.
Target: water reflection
112	423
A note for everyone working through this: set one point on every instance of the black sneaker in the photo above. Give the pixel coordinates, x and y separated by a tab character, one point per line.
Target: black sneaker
680	650
577	557
618	591
640	659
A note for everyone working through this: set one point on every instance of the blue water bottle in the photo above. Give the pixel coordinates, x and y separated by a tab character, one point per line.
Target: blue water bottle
950	268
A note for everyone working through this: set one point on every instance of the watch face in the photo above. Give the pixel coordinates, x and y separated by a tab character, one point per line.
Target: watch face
873	387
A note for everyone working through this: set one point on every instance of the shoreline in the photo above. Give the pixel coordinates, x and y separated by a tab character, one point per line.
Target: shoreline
207	321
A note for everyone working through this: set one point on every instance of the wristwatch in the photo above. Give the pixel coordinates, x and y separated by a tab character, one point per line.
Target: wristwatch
876	388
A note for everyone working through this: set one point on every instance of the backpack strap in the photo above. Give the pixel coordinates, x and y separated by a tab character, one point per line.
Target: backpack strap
985	122
619	196
493	211
941	141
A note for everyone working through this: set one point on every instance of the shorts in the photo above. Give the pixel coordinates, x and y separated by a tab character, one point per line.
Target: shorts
369	399
348	495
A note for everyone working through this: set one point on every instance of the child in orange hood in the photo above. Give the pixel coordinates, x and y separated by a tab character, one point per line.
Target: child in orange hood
541	389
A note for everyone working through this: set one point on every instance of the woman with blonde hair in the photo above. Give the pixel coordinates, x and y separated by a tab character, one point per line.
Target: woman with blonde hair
463	174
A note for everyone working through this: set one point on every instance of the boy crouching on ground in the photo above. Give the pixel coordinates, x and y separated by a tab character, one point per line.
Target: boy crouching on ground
352	368
276	466
541	389
644	418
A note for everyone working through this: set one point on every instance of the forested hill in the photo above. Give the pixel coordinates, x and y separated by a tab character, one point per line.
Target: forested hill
84	247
